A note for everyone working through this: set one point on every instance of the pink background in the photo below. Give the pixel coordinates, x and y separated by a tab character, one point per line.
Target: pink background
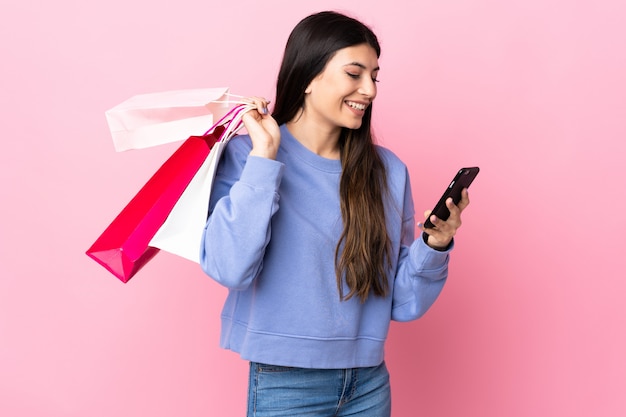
532	321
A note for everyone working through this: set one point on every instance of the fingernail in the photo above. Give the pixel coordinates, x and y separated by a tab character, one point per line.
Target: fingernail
264	110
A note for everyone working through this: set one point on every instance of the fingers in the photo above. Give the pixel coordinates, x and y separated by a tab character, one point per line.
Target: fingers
262	128
253	125
441	235
464	199
456	209
260	103
253	119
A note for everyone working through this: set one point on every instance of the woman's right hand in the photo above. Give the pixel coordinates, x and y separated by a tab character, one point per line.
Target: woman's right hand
262	128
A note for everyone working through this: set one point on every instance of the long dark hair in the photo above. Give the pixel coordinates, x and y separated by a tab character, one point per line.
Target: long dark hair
363	251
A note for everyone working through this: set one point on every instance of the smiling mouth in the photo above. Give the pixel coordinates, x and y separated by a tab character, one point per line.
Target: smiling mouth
356	106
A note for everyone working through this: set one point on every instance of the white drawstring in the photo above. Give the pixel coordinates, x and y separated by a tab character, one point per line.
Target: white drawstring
231	101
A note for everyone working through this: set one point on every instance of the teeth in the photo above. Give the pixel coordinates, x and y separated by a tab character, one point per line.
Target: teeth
356	106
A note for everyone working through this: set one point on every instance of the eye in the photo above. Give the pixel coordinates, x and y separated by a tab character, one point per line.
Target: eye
357	76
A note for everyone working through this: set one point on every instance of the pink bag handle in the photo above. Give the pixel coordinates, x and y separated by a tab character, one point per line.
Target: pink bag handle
235	123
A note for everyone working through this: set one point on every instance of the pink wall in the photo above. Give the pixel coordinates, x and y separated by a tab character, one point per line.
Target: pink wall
532	321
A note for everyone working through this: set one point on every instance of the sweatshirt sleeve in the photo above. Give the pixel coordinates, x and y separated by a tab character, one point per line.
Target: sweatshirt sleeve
421	276
421	272
243	200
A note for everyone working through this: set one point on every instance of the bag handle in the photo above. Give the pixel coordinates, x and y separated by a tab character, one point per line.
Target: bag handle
235	123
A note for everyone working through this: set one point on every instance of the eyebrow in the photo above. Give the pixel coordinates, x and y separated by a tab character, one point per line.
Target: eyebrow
358	64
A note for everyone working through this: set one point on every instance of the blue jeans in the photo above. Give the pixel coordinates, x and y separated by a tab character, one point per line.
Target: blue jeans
283	391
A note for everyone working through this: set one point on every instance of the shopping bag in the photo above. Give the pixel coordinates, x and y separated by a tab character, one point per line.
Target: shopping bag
152	119
124	246
181	233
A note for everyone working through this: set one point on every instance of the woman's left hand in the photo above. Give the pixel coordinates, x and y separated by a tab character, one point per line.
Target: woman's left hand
441	235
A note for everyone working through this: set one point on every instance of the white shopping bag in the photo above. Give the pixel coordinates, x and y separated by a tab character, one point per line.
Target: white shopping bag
153	119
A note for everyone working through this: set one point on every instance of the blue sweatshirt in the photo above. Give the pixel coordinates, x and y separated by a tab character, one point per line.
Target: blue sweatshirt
270	239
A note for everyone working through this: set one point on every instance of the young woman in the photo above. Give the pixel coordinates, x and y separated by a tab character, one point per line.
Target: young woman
311	227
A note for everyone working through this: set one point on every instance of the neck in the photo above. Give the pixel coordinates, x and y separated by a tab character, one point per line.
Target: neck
316	137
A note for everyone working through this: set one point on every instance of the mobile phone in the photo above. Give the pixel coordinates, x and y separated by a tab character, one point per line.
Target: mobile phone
461	180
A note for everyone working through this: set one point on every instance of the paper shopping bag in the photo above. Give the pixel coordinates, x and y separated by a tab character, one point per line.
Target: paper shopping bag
152	119
123	248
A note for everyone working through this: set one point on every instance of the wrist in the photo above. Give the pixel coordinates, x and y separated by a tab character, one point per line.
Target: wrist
435	246
268	152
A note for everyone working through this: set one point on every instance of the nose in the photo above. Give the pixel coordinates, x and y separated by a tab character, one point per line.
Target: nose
368	88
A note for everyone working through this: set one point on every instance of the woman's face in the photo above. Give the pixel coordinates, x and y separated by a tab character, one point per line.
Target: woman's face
339	95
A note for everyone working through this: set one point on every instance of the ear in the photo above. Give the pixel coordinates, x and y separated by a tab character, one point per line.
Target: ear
309	88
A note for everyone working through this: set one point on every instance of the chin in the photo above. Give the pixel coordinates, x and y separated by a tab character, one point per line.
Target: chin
355	124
